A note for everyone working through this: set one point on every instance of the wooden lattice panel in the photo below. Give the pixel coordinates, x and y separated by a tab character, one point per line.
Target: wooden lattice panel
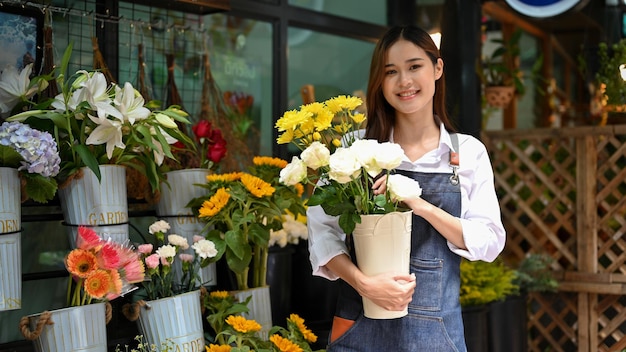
563	192
536	184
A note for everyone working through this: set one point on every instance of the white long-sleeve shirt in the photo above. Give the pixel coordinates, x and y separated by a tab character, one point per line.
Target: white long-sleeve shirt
483	232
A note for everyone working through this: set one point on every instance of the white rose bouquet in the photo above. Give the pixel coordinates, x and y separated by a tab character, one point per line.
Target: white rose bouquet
344	166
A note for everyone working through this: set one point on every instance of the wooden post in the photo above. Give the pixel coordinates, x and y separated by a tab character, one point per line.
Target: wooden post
587	240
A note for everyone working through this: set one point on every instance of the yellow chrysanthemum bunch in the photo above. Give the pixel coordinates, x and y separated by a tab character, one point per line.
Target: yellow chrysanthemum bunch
325	122
241	208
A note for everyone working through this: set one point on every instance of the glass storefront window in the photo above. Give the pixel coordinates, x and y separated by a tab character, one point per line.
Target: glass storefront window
333	65
366	11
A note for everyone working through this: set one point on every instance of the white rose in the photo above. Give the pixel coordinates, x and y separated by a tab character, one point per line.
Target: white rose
315	155
344	165
366	151
178	240
401	187
205	249
389	155
294	172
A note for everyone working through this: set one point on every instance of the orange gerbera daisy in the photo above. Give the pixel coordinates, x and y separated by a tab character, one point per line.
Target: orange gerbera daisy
267	160
299	189
81	262
242	324
98	284
256	186
285	345
215	203
115	288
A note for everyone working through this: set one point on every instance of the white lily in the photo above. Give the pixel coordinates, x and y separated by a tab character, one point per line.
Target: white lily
159	156
109	131
130	103
14	87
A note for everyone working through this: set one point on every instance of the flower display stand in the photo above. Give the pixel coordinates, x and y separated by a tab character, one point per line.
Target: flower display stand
172	207
260	307
383	244
173	321
102	204
73	329
10	240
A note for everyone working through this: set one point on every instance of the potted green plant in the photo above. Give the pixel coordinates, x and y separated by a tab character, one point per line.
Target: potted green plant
508	318
608	76
481	284
500	74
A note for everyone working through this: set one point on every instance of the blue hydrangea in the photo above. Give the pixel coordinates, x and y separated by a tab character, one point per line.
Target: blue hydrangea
38	148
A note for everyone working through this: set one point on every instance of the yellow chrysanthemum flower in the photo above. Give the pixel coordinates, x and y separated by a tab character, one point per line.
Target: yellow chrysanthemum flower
219	294
256	186
215	204
322	117
242	324
218	348
358	118
284	345
343	103
230	177
268	160
336	142
286	137
308	334
291	120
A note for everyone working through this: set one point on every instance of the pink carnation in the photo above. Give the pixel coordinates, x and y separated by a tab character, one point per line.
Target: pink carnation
145	248
152	261
197	238
185	257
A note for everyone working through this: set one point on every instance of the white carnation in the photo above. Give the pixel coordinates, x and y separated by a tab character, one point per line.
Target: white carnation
178	240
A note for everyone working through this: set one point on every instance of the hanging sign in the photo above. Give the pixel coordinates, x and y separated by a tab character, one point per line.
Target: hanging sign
545	8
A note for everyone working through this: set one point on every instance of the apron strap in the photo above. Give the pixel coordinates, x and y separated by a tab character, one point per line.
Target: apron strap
454	159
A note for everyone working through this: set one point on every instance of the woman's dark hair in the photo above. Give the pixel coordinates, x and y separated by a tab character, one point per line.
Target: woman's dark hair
381	115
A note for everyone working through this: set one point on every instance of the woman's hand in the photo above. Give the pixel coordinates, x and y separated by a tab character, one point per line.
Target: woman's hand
389	291
380	185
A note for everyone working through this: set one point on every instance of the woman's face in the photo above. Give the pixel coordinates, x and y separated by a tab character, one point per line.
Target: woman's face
409	78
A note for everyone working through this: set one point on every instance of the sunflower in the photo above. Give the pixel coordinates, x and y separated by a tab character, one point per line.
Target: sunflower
256	186
242	324
284	345
214	204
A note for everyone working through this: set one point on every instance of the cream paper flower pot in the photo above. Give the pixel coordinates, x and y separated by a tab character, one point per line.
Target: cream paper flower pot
383	244
102	204
74	329
10	240
173	321
172	208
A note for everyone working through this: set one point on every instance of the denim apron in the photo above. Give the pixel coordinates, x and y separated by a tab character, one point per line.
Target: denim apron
434	322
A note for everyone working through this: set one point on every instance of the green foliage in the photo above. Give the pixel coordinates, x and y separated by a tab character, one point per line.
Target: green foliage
610	58
483	282
499	68
534	275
